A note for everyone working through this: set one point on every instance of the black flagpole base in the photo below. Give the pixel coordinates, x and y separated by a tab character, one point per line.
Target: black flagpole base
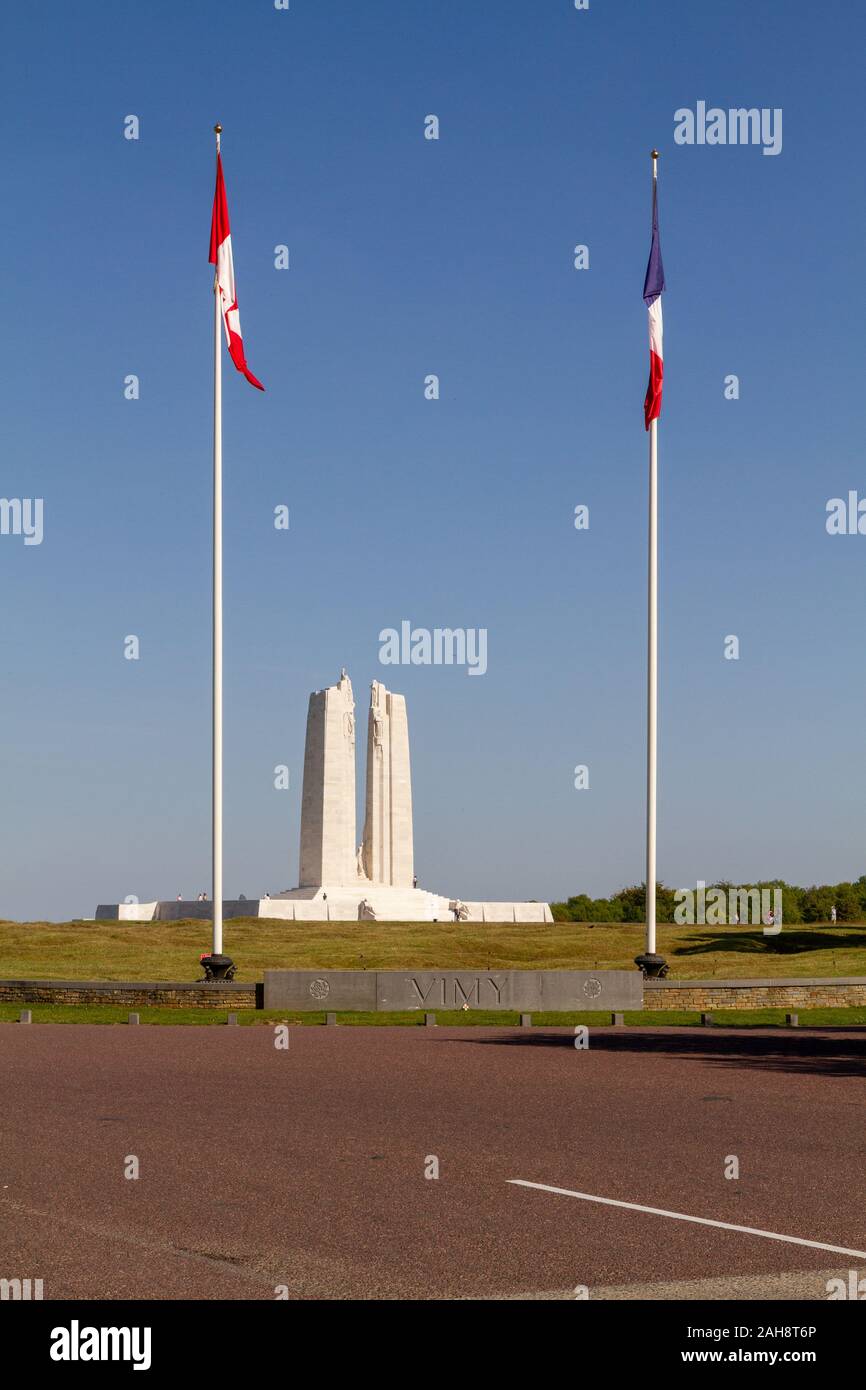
218	967
653	967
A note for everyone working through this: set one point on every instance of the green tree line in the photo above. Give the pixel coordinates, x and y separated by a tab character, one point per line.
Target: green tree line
798	904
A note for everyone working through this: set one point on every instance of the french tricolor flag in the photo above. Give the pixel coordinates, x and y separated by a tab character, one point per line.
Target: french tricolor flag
652	293
221	257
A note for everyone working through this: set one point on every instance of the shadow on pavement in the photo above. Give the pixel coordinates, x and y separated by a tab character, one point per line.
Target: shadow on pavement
828	1053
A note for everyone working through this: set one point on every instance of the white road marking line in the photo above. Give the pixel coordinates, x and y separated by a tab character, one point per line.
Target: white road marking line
680	1216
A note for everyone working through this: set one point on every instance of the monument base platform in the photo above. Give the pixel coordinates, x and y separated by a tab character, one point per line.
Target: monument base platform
367	902
376	902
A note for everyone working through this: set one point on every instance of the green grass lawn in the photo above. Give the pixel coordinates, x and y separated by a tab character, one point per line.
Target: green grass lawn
727	1018
170	950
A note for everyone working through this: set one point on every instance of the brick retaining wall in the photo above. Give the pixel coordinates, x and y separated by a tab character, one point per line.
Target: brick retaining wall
181	995
755	994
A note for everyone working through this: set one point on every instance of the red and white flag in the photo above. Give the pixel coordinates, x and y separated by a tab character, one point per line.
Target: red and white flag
221	257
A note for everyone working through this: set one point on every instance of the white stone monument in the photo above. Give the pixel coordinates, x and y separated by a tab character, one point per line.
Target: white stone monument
376	881
339	880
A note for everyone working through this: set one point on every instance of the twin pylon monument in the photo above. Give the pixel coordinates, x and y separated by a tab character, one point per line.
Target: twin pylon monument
341	879
329	854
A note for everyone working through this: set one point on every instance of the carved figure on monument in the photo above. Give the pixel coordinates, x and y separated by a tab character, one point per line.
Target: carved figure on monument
366	911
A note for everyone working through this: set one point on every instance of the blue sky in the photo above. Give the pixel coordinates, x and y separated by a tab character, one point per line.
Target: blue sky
409	257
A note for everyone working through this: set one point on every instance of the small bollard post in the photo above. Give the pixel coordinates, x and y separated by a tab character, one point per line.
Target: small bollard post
706	1020
133	1018
792	1020
331	1020
429	1020
25	1016
232	1018
618	1020
526	1020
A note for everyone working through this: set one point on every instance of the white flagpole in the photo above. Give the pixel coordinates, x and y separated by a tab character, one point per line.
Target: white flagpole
217	772
652	694
652	674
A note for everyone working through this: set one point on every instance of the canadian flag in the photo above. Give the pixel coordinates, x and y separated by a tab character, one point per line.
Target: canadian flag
221	257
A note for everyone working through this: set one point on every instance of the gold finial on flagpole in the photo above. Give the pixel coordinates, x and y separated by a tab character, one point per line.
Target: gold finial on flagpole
218	128
654	154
